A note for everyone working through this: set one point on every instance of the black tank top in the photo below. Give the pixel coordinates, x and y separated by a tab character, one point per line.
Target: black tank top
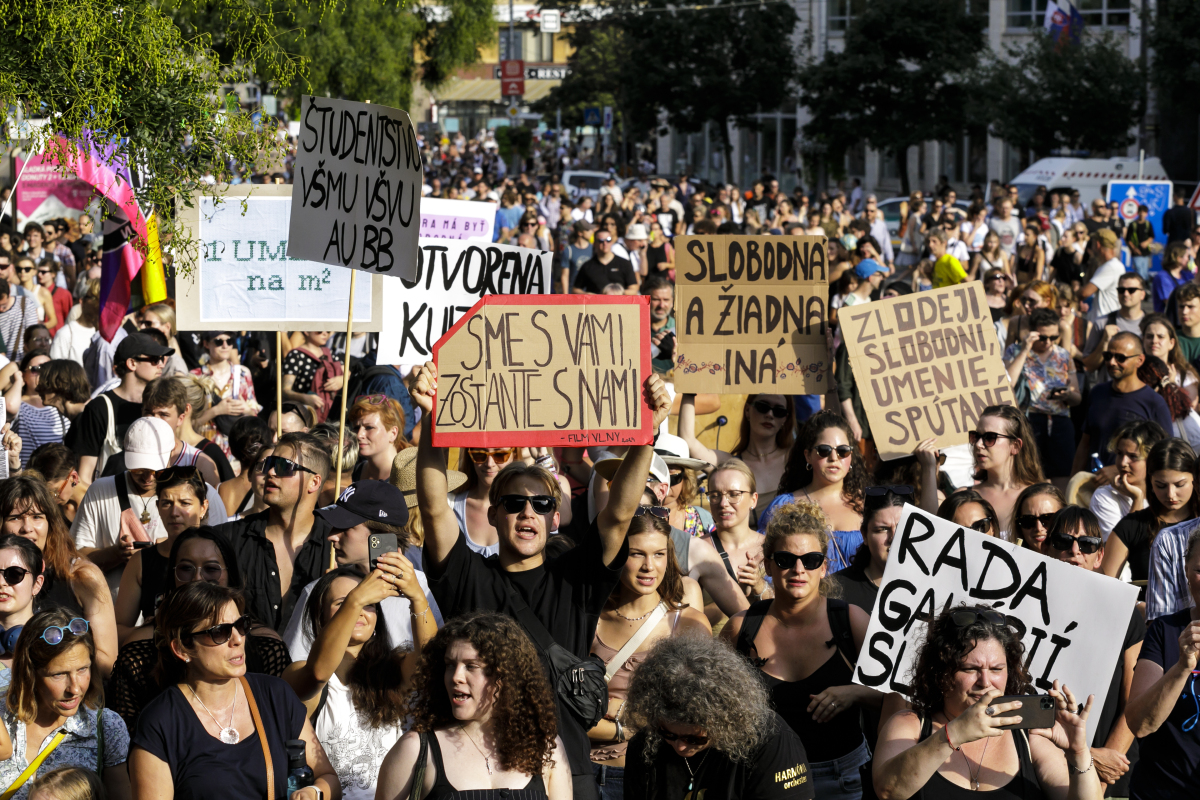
823	741
155	580
442	790
654	257
1023	786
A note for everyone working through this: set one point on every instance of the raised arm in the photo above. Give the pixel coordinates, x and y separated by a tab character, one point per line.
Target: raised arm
706	567
441	528
687	432
1154	692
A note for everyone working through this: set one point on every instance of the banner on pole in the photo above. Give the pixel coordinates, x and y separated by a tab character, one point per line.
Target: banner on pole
450	279
357	193
545	371
750	315
1071	620
241	278
926	365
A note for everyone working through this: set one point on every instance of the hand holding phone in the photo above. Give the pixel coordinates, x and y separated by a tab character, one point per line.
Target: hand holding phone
378	544
1035	711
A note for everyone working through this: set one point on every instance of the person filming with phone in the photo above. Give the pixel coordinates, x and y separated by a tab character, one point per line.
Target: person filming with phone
954	740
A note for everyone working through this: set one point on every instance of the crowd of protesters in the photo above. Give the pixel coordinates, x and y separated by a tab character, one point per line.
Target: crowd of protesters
190	608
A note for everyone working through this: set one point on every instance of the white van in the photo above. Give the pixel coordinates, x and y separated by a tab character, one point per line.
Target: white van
1087	175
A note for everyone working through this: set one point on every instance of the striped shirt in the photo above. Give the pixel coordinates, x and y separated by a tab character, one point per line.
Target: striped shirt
13	325
1167	590
38	426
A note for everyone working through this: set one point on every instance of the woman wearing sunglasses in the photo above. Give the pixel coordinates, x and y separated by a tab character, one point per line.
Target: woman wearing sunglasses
825	468
55	690
483	719
805	644
1006	461
951	742
198	738
21	569
471	503
1033	515
1130	446
232	393
647	606
968	509
378	422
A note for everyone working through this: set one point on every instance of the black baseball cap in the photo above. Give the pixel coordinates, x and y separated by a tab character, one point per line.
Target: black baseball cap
136	345
363	501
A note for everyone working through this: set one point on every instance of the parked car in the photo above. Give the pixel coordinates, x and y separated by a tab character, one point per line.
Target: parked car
581	183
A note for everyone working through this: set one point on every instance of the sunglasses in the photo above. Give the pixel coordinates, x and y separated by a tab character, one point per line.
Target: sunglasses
54	634
283	467
786	560
1118	357
499	456
14	575
966	617
823	450
36	368
1061	540
151	359
763	407
515	503
222	341
210	572
691	741
1045	339
677	478
1128	289
989	438
219	634
662	512
44	272
982	525
1030	521
884	491
25	269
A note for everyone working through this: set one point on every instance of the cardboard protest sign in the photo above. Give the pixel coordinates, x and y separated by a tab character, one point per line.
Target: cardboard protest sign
240	277
457	219
926	364
544	371
750	314
450	279
1072	621
356	196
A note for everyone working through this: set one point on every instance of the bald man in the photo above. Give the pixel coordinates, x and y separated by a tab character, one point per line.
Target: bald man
1123	399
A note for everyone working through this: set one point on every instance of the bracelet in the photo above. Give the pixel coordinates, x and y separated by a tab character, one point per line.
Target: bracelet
620	733
419	615
946	730
1091	763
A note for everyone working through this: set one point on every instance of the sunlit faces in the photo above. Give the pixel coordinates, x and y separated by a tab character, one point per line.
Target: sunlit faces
1038	509
1002	452
172	416
1173	489
1130	461
984	668
32	373
27	520
488	461
351	546
766	421
1158	341
180	509
661	302
364	626
1075	555
975	517
797	581
152	320
19	594
647	563
63	683
881	531
142	479
523	533
469	685
730	498
200	560
373	437
211	660
1047	339
830	455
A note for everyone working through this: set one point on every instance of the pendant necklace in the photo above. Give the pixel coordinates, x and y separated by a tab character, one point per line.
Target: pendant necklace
229	734
487	762
974	778
146	514
693	775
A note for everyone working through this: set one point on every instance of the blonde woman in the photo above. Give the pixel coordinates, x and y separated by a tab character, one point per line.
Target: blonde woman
26	272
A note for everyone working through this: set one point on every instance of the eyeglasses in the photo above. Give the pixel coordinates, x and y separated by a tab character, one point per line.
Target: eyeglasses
966	617
1118	357
170	473
989	438
734	496
692	741
283	467
1061	540
54	634
982	525
882	491
14	575
219	634
499	456
763	407
1128	289
210	572
515	503
1030	522
786	560
662	512
823	450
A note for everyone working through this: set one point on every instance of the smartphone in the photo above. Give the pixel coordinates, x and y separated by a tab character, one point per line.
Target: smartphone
141	545
1036	711
380	543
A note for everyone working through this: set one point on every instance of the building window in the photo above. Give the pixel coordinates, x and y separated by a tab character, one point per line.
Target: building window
515	52
842	11
1026	13
1101	13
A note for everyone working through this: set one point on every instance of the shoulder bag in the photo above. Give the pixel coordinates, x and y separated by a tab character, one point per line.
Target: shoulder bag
635	641
262	737
418	781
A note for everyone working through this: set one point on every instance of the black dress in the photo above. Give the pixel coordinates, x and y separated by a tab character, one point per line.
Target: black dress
443	790
156	579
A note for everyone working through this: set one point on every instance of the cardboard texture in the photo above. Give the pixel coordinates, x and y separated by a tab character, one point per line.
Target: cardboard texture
451	277
239	277
356	198
750	315
1070	619
544	371
926	364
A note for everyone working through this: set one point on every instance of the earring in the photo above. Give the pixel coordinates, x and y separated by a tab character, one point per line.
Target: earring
187	660
808	466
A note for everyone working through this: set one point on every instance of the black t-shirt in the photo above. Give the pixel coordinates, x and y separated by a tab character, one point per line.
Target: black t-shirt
594	276
201	765
857	588
87	434
1134	533
1134	633
777	770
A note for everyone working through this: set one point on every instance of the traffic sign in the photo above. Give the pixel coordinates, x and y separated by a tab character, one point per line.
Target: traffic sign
591	116
1194	203
551	21
512	87
512	68
513	112
608	118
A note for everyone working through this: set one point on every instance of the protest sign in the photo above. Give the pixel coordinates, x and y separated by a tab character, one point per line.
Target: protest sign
44	193
457	219
1072	621
750	314
544	371
239	276
356	195
451	277
926	365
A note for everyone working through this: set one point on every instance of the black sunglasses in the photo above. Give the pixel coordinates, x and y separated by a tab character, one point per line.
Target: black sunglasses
671	736
14	575
823	450
1043	339
966	617
515	503
677	478
1120	359
763	407
1061	540
785	560
1129	289
219	634
989	437
1030	521
882	491
982	525
283	467
662	512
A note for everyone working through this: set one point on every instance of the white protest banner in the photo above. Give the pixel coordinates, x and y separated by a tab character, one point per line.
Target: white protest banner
356	198
457	219
241	278
1072	621
450	279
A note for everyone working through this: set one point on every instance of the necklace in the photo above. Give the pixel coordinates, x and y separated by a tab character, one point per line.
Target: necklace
975	776
229	734
699	766
635	619
487	762
145	518
760	456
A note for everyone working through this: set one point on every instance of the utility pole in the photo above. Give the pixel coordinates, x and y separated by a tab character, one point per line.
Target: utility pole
512	101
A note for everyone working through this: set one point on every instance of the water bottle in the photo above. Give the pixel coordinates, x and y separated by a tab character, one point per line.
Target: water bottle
1097	464
299	773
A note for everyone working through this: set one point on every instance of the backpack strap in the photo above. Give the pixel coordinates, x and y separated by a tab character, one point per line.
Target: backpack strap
751	623
418	782
716	540
843	634
320	705
122	487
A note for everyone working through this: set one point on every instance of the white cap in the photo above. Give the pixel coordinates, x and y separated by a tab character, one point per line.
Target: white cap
675	453
607	468
148	444
636	231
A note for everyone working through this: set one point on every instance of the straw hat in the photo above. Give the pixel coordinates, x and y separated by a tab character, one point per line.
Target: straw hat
404	476
674	452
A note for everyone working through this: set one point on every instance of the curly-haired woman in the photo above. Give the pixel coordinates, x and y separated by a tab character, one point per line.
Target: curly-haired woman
805	644
483	713
825	468
941	748
707	727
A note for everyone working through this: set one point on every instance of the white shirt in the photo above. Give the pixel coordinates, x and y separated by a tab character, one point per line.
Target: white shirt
356	751
1105	301
879	232
1110	507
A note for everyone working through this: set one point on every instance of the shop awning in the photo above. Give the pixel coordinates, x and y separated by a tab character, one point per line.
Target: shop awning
486	90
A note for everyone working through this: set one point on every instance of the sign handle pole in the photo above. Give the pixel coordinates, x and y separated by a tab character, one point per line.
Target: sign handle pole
278	384
337	464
